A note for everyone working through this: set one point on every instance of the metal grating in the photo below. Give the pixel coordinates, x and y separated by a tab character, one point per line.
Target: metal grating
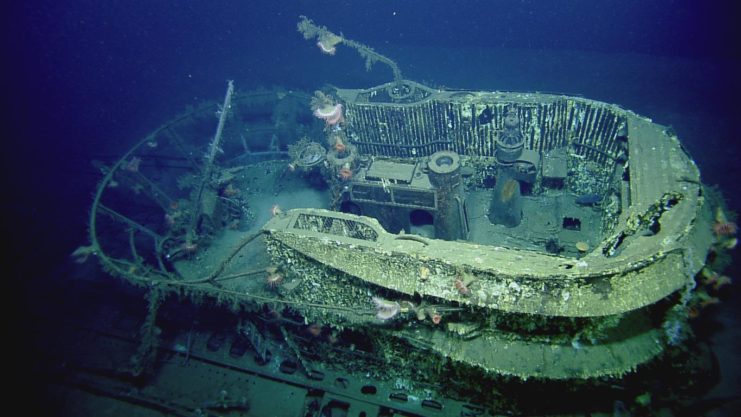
335	226
434	125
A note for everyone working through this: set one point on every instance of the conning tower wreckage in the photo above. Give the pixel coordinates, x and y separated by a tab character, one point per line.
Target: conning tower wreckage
501	233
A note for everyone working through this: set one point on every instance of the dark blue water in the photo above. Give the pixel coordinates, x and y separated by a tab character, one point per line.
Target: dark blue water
85	79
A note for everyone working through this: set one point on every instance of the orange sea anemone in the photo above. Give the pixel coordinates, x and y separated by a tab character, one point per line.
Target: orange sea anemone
725	228
461	287
340	146
345	174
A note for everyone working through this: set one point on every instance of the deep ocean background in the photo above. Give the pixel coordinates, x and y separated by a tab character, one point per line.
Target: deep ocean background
86	79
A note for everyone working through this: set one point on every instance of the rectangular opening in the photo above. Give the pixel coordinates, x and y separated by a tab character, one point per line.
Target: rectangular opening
571	223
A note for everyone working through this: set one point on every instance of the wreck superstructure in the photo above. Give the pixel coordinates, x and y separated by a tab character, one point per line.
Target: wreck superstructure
649	239
475	233
652	237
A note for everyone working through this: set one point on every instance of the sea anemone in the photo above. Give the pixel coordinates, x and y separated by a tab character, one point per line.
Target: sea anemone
329	50
721	281
462	287
385	309
273	280
709	301
725	228
332	115
345	174
325	108
327	43
714	279
730	243
276	210
693	312
189	247
436	318
133	164
314	330
82	253
230	191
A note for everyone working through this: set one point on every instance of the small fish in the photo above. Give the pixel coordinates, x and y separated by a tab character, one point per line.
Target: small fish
589	199
619	409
